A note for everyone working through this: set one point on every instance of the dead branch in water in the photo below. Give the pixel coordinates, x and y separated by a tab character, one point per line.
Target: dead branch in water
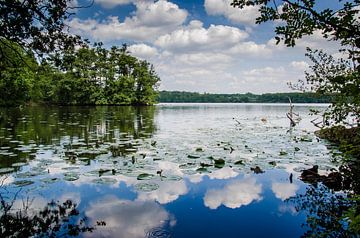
293	117
319	124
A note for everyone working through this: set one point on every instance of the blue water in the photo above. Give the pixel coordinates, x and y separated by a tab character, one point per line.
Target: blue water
97	158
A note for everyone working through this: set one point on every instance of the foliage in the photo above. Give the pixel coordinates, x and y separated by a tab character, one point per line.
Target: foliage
354	215
329	75
303	17
85	76
15	76
175	96
347	138
36	25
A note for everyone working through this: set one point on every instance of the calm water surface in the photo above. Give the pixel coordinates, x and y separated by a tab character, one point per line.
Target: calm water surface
173	170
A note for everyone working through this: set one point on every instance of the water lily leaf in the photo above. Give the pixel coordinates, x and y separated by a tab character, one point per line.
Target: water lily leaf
171	178
305	139
193	156
71	176
20	164
23	183
202	170
145	176
273	163
130	150
104	181
189	171
187	166
6	170
49	180
146	187
219	163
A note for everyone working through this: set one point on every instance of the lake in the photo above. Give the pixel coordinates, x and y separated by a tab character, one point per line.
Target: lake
171	170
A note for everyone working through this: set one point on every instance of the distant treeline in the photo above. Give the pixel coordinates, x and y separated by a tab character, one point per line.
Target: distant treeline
176	96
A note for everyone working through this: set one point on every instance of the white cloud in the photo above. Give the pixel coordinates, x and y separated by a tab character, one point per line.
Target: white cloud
299	65
284	191
143	51
265	72
251	49
245	16
198	57
204	59
113	3
197	38
234	195
150	20
126	218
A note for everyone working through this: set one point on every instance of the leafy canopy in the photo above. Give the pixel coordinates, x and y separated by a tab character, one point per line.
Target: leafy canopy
328	76
302	17
38	25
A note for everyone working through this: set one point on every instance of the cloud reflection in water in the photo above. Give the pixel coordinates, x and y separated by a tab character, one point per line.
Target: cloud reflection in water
125	218
235	194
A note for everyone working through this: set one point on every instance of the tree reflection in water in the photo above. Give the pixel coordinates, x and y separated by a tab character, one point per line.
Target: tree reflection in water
325	210
54	220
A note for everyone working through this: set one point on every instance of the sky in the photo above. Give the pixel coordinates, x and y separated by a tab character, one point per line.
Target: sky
200	45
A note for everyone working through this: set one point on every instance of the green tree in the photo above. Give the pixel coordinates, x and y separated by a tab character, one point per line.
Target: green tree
37	25
98	76
15	76
328	76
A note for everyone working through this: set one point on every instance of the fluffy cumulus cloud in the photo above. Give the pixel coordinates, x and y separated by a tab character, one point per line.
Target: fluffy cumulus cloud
142	51
126	218
284	191
299	65
198	55
245	16
268	75
235	194
113	3
197	38
150	20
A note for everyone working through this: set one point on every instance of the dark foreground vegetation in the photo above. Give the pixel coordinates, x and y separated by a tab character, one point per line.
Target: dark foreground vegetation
176	96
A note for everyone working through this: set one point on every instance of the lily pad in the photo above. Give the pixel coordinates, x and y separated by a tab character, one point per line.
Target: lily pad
189	171
145	176
23	183
6	170
193	156
219	163
49	180
187	166
202	170
171	178
146	187
71	176
20	164
104	181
